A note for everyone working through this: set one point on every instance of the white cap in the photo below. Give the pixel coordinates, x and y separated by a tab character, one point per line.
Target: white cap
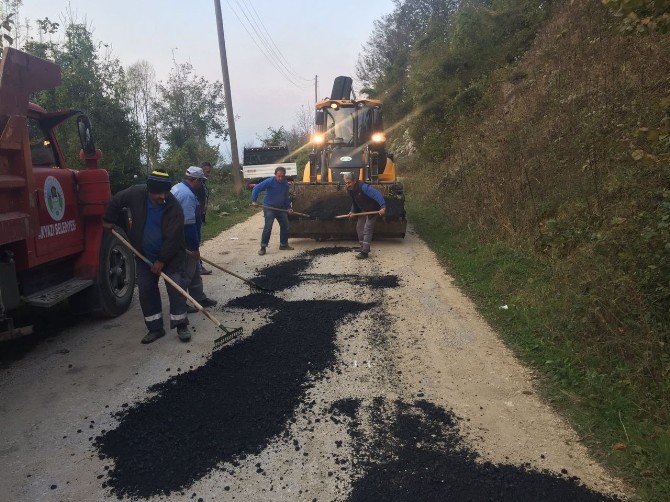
196	172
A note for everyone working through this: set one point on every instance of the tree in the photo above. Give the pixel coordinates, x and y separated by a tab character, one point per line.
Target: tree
385	61
94	83
10	27
141	97
190	110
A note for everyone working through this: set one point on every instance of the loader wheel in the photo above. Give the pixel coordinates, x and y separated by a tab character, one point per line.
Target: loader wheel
111	295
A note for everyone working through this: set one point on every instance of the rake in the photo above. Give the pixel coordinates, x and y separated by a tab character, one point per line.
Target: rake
250	283
228	334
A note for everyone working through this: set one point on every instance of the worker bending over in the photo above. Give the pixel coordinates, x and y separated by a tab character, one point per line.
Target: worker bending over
364	198
157	230
276	195
186	194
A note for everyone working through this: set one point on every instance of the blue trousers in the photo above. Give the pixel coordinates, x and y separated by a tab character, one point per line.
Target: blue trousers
150	298
282	218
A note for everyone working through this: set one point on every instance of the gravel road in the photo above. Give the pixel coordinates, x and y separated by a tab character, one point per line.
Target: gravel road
359	380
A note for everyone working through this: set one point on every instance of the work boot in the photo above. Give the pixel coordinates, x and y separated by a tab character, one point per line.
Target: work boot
285	247
205	271
153	335
183	332
261	251
362	255
207	302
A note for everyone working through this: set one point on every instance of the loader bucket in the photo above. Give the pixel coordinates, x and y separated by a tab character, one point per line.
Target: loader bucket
324	201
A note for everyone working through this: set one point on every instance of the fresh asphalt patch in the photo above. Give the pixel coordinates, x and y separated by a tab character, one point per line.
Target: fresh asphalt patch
415	452
248	394
232	406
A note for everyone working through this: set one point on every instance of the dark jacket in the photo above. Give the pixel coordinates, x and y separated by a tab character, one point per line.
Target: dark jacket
202	194
173	250
365	198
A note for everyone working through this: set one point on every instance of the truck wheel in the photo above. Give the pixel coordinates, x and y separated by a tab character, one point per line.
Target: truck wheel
111	295
116	278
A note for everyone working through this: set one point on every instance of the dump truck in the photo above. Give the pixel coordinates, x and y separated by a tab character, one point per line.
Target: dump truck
52	244
349	137
260	162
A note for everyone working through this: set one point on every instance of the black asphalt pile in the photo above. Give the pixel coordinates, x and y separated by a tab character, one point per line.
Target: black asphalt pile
286	274
415	452
368	281
328	208
256	301
233	406
289	273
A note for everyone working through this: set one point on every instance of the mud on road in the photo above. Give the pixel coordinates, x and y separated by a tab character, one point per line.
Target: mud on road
358	380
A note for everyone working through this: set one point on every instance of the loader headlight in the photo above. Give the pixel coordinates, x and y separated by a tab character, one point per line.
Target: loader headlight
334	106
378	137
318	139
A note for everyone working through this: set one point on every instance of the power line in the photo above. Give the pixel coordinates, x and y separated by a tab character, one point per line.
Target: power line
281	71
278	58
277	50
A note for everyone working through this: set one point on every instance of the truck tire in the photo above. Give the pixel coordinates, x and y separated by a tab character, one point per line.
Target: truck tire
113	292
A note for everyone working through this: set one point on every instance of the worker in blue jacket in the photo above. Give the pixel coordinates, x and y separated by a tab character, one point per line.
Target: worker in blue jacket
276	196
186	194
364	199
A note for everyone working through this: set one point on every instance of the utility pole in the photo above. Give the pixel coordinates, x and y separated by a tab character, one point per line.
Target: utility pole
237	177
316	88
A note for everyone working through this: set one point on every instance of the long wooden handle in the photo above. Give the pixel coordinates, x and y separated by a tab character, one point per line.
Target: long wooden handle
355	214
216	265
168	279
285	211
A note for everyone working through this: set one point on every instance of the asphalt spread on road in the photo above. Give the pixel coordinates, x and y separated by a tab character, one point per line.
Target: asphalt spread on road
248	394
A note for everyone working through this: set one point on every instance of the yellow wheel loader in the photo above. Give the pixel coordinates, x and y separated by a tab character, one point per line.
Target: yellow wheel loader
349	137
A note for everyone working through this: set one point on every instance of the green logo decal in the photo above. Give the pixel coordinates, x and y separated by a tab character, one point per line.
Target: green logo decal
54	197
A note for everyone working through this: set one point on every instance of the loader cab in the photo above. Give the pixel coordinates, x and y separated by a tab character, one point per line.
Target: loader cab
349	138
341	125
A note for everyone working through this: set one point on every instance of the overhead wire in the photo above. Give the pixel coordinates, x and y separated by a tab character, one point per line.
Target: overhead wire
272	41
281	70
273	52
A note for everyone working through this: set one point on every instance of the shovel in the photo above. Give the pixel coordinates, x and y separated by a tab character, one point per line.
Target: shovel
250	283
229	334
356	214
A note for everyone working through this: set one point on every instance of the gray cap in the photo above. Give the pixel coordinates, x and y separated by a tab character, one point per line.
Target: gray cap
196	172
348	176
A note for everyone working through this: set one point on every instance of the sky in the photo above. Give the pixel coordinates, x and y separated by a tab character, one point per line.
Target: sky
313	37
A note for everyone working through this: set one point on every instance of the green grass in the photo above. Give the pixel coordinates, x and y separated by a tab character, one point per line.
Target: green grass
542	325
225	208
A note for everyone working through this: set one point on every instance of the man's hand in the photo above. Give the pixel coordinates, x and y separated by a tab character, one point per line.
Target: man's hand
382	211
290	210
107	225
196	255
157	267
350	215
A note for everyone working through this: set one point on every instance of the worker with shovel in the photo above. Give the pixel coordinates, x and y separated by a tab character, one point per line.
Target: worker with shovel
186	194
276	206
364	199
157	229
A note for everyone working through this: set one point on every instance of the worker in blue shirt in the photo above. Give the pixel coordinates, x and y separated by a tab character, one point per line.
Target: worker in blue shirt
364	199
185	193
276	196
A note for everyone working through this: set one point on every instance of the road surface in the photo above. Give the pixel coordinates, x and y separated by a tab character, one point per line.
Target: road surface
359	380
